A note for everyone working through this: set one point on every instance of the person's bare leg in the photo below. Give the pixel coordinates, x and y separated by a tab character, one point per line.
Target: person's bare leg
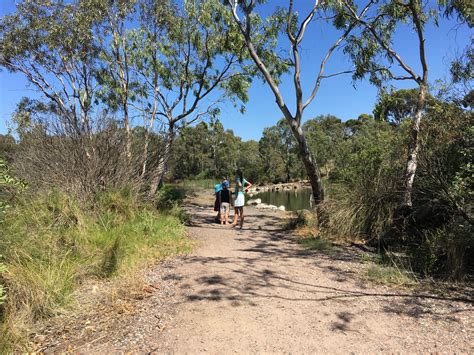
236	215
222	218
241	218
226	220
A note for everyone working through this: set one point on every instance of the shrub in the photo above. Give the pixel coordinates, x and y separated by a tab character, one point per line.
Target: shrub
365	184
316	243
390	275
51	243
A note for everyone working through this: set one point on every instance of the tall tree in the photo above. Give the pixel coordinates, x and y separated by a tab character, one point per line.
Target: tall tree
51	43
399	105
114	75
249	160
374	44
279	152
189	59
324	134
259	38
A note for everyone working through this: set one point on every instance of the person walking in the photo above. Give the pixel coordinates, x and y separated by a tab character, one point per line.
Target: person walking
241	186
225	198
217	206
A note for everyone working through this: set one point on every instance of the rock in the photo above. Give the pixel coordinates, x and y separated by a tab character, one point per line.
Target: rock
256	201
282	208
264	206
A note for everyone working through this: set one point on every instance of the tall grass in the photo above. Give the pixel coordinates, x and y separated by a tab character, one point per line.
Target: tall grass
363	211
50	244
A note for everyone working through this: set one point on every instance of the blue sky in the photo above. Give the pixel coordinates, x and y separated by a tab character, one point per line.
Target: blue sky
336	96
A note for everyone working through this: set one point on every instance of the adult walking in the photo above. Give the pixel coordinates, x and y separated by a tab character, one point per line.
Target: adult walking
241	186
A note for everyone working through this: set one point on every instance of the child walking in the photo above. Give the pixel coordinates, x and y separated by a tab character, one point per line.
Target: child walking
225	197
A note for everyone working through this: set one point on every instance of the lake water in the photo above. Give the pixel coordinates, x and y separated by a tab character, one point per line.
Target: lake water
293	200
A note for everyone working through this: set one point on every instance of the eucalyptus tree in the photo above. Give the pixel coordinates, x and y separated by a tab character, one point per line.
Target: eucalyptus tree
260	35
374	54
272	164
224	150
117	87
324	134
278	149
189	58
51	43
399	105
249	160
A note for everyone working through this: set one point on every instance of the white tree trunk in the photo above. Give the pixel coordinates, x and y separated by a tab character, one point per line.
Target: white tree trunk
412	161
311	167
163	163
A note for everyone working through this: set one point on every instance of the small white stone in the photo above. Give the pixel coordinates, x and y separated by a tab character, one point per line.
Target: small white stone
257	201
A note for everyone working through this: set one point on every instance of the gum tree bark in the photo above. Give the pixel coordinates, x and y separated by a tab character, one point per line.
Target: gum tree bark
413	9
160	170
412	161
295	38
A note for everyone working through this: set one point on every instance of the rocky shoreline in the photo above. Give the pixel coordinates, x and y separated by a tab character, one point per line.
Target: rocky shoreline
278	187
257	202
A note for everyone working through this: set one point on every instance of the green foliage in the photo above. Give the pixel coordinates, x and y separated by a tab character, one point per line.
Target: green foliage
9	185
207	151
53	38
365	180
325	135
180	55
398	105
372	51
279	153
390	275
50	244
462	9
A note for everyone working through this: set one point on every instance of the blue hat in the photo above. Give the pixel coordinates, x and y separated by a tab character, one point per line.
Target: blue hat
225	184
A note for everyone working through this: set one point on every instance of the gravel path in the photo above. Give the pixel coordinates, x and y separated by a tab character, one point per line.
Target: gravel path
257	291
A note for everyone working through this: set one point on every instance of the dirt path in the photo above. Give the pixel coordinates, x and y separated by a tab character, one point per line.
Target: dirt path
256	291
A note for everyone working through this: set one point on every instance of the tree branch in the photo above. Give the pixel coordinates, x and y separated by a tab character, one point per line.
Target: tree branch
256	58
382	43
329	53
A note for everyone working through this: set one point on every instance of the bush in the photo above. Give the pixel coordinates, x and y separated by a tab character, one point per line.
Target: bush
302	218
390	275
51	243
365	184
